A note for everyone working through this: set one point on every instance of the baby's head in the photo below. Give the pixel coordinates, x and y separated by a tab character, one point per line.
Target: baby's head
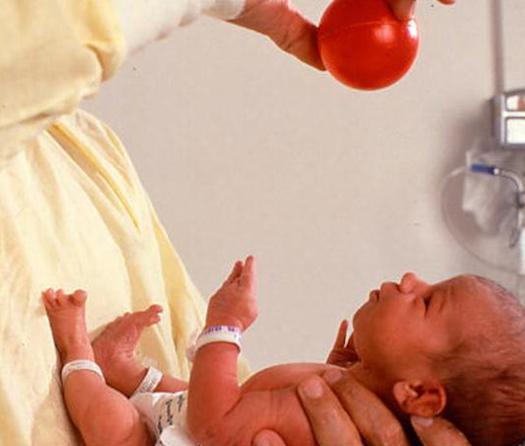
456	347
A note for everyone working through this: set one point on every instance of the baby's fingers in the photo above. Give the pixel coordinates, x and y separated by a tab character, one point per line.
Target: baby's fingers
247	278
235	273
341	335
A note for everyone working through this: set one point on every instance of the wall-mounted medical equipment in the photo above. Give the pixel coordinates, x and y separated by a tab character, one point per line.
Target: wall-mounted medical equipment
483	201
517	234
509	119
483	205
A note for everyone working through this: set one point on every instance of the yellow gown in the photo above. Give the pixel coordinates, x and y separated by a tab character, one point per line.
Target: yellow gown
73	213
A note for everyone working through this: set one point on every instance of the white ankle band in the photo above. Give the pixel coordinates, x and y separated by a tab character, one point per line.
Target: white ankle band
150	382
80	364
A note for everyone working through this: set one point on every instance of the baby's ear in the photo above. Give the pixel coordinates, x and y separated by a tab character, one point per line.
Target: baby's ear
421	398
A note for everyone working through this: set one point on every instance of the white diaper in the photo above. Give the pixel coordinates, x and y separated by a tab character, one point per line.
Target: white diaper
165	415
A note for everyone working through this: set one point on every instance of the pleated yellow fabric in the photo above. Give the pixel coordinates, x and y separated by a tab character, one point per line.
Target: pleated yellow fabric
73	213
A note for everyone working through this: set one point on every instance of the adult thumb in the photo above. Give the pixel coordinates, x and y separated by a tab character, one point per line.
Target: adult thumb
438	432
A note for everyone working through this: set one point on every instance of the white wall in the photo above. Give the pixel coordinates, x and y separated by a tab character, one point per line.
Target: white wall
244	150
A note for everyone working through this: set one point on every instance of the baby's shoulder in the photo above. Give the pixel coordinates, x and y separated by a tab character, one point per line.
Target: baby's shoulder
284	375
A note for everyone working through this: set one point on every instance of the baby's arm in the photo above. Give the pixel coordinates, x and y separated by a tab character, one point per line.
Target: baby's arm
343	352
213	387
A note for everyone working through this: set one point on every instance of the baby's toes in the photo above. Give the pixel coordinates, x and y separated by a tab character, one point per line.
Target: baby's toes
49	298
149	316
154	313
155	310
144	318
61	298
78	297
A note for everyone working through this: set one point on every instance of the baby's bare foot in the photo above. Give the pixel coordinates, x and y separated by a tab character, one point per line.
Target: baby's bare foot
66	313
115	348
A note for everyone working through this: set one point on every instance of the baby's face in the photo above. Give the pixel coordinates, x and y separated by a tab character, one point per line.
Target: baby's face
403	325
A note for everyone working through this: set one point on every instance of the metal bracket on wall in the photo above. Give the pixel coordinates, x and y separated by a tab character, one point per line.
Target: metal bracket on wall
509	119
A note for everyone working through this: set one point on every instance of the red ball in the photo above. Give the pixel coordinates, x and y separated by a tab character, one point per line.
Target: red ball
363	45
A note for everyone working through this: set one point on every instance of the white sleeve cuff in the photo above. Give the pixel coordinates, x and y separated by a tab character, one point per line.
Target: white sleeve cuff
144	21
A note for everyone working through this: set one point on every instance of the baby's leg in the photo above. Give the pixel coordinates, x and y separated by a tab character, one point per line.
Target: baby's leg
103	416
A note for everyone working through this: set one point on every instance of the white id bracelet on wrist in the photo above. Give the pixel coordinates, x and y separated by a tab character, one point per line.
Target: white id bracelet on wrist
80	364
219	333
150	382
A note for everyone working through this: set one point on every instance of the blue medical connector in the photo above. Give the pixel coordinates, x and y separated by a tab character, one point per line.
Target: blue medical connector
518	234
484	168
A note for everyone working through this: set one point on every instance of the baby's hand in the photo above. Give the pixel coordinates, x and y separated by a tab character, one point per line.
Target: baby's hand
343	353
235	304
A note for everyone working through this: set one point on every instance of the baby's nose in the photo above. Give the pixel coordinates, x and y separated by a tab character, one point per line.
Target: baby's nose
408	282
411	283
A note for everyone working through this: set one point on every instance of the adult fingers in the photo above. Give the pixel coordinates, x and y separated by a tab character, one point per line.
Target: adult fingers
438	432
300	40
268	438
403	9
286	26
329	421
375	422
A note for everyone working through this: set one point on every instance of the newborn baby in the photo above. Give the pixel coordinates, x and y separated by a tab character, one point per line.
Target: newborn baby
456	347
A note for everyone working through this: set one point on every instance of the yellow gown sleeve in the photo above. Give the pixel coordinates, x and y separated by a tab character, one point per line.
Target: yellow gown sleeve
53	53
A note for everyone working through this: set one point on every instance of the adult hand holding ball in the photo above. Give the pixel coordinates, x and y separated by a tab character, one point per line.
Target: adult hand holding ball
364	46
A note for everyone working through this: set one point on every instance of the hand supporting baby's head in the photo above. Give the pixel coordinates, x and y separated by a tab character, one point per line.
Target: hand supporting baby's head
457	346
